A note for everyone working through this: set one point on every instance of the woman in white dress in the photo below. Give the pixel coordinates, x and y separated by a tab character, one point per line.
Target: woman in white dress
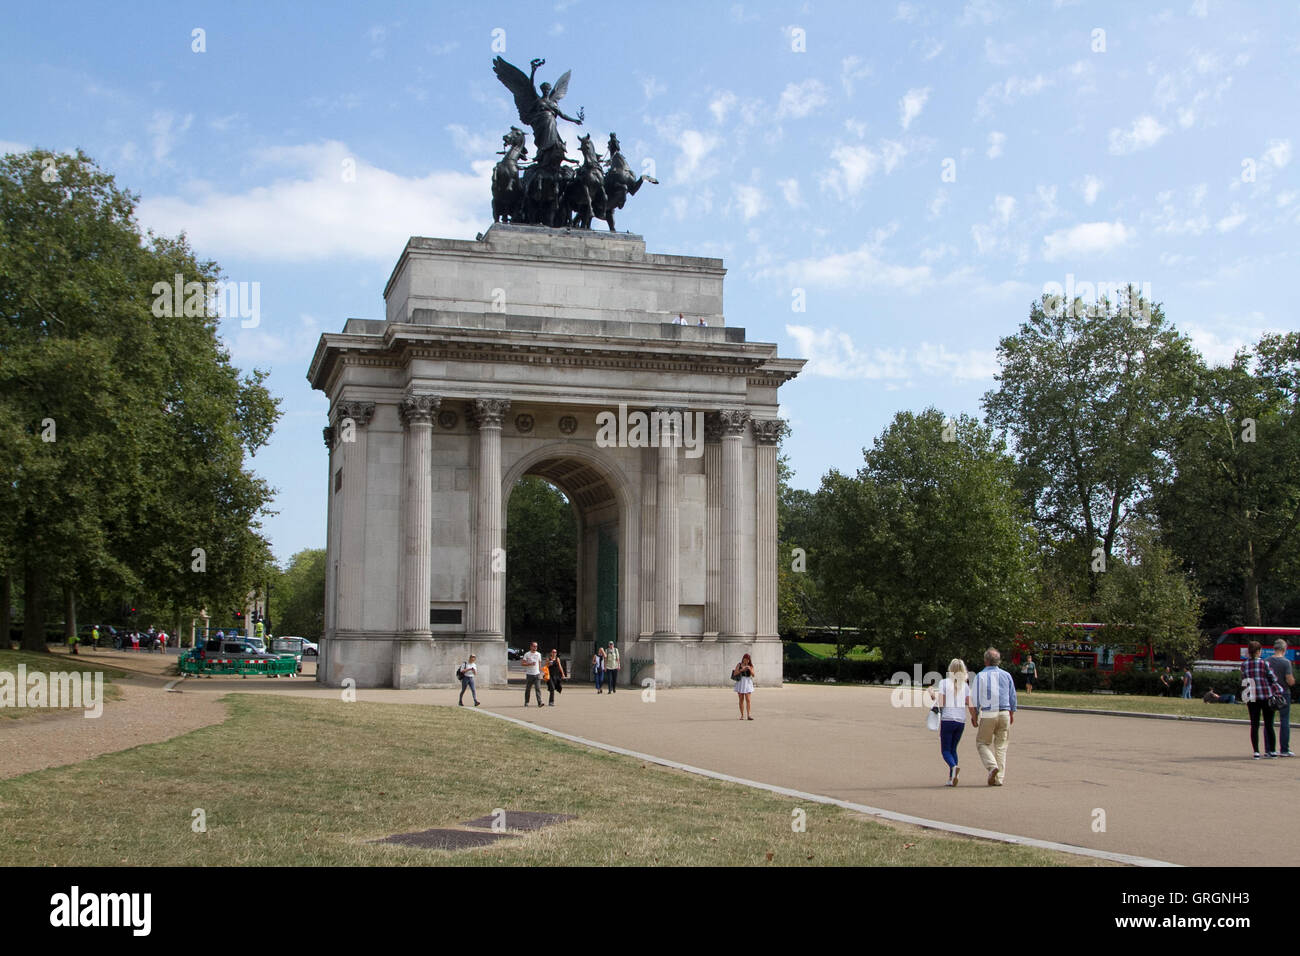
954	697
743	675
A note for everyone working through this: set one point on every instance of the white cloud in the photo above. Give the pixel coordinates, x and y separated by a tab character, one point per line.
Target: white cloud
937	204
905	12
1090	187
651	87
856	165
996	140
695	146
164	129
750	200
721	104
1278	153
1199	8
310	212
1232	220
1085	239
853	68
833	354
999	54
856	127
891	154
790	190
1005	208
1010	90
930	48
910	106
859	268
800	99
1145	132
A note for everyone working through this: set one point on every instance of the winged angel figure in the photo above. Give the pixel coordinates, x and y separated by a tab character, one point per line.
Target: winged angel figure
538	109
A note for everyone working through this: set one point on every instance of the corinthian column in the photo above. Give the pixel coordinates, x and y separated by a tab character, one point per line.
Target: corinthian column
417	413
766	432
488	612
667	528
732	584
350	421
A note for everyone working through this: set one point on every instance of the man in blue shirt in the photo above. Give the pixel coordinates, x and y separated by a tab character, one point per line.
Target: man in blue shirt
992	712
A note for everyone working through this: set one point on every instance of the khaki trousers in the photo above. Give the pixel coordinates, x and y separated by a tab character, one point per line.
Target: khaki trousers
991	741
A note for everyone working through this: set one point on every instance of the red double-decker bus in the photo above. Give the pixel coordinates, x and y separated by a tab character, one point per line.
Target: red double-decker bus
1233	644
1078	644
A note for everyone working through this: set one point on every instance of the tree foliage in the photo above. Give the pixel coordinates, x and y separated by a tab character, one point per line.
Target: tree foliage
1092	399
541	560
298	596
125	431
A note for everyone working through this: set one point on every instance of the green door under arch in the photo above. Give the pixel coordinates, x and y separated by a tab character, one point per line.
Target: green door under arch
606	586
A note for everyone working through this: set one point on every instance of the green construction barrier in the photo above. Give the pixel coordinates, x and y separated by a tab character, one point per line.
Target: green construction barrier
284	666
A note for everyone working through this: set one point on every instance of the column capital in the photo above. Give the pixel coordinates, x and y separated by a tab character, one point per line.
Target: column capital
359	413
712	428
418	409
732	421
767	431
487	412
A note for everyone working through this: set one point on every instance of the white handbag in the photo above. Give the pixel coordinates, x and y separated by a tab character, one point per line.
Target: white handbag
932	719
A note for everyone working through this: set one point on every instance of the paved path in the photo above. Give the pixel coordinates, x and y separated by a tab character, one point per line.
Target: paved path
1170	790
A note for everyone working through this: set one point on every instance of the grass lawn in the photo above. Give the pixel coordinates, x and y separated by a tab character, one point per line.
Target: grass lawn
1134	704
54	663
308	782
827	652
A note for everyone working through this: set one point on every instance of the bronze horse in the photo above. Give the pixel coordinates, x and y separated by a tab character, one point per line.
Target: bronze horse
507	193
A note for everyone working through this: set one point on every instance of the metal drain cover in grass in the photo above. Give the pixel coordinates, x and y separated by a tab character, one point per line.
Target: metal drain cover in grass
445	839
521	820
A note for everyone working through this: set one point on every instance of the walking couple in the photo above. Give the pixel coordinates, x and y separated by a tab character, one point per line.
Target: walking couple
989	701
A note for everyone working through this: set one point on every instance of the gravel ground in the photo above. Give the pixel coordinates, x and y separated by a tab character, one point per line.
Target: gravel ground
146	714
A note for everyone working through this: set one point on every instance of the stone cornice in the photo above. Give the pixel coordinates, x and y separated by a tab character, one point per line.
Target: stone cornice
400	344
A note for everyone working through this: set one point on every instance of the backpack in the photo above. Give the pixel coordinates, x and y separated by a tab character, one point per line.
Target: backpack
460	672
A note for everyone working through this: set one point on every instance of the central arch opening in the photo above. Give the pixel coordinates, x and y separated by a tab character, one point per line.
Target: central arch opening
562	569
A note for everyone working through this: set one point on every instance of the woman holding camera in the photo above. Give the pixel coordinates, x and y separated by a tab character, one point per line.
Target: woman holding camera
743	675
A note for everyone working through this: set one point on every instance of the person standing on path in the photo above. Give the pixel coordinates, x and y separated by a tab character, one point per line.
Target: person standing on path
1030	670
554	675
992	712
1187	683
1259	686
954	700
743	675
1285	675
611	667
533	674
468	671
72	642
598	668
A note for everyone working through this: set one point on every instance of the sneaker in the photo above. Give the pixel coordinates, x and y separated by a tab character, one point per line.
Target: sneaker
1274	753
475	703
993	777
955	772
1270	756
1256	754
1287	754
461	703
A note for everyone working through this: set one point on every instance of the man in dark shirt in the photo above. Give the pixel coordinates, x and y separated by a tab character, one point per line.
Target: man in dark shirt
1286	677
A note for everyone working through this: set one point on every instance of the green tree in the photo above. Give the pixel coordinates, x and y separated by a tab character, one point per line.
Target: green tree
1145	598
1233	508
1092	399
126	430
299	595
541	560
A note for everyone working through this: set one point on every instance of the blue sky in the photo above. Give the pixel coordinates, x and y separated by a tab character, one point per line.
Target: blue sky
919	170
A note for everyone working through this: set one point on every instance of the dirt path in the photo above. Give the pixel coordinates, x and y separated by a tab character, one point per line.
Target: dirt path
146	714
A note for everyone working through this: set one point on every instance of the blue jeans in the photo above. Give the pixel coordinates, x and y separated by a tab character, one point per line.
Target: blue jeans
1187	692
949	736
598	676
1284	730
467	682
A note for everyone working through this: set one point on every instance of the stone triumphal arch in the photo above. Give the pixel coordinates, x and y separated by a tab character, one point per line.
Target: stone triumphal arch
555	353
